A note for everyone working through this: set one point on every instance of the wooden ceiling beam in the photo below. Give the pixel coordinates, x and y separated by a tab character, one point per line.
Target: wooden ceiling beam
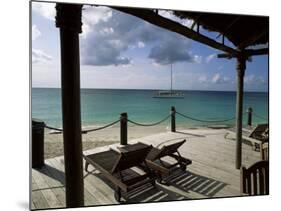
151	17
257	52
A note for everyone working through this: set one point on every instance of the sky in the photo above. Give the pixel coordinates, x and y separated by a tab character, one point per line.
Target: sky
121	51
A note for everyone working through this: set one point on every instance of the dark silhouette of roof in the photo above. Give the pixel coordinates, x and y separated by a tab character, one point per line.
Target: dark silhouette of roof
242	30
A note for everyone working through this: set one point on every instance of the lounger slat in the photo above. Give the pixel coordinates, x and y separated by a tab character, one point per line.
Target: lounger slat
163	168
105	159
131	159
113	165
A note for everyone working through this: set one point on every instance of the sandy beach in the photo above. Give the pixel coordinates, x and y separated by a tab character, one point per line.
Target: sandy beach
53	142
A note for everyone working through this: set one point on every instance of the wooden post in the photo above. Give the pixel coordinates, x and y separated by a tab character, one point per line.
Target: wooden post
68	19
37	143
250	112
173	119
241	66
123	129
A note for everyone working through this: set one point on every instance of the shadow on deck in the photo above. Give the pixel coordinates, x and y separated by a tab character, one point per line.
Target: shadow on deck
184	181
211	175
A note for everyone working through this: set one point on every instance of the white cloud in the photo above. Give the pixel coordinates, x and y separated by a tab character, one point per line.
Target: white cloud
111	33
173	50
210	58
203	79
220	79
45	9
254	80
141	44
169	14
197	59
39	56
91	15
35	32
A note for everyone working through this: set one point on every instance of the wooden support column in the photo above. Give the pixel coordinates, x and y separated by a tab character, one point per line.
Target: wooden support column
68	19
241	66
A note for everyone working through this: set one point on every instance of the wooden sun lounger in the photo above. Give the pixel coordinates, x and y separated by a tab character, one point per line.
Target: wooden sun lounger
111	164
161	168
256	136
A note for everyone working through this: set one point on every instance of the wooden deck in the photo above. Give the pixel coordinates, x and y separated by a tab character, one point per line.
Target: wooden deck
211	174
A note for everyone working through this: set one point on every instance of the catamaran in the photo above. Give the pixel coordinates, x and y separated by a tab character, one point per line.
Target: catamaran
169	93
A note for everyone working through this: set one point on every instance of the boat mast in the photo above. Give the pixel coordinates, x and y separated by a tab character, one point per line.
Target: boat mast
171	78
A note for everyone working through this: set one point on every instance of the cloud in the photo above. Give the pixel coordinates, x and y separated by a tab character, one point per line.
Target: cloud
92	15
171	50
254	80
108	34
108	38
111	33
203	79
210	58
39	56
45	9
35	32
197	59
219	79
141	44
169	14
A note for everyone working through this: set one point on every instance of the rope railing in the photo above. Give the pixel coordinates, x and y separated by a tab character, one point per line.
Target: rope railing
85	131
100	128
209	121
260	117
156	123
53	128
38	128
149	125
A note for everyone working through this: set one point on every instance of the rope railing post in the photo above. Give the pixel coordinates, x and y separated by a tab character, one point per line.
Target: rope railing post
123	129
37	143
250	113
173	119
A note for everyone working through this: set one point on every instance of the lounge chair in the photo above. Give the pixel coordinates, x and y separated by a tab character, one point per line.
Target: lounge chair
256	136
162	168
255	179
112	165
260	132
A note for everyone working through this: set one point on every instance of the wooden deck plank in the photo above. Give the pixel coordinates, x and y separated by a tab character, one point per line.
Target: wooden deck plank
89	199
211	174
54	182
37	197
89	196
46	190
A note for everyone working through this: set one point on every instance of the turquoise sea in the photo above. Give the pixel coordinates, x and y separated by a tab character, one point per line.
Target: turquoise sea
102	106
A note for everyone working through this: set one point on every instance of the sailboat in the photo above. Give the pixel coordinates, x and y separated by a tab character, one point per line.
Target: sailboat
169	93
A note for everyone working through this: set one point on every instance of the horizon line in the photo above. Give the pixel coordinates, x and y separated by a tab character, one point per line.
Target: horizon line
155	89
